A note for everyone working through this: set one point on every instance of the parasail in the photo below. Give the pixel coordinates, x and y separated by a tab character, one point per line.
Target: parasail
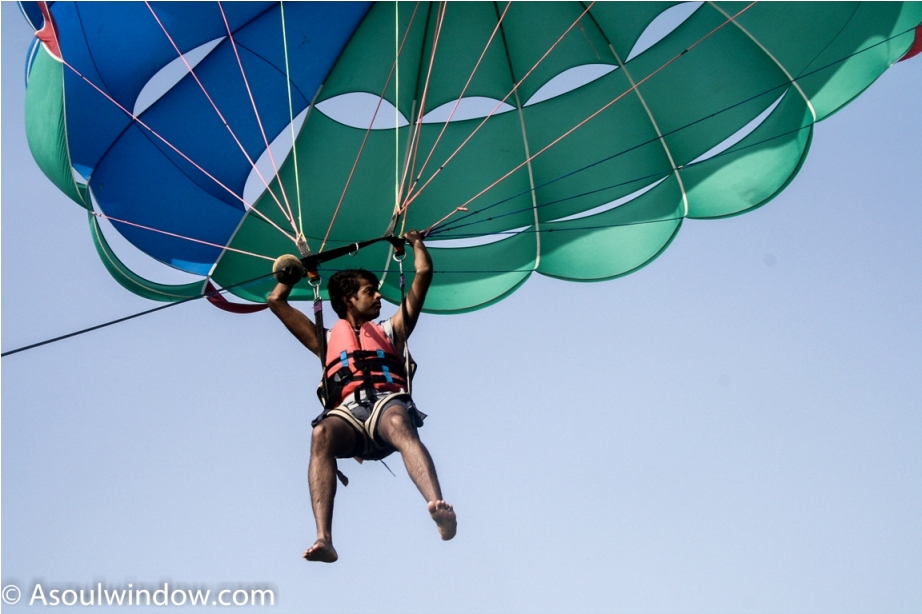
569	139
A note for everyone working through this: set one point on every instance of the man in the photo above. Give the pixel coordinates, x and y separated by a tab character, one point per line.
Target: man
368	415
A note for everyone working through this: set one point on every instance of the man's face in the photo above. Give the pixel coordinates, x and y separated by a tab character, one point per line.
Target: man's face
367	301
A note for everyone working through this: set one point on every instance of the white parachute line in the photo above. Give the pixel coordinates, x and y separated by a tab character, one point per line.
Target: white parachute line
408	151
695	162
259	121
414	146
771	56
247	206
463	206
531	174
179	236
515	88
659	133
220	115
368	131
531	183
460	96
291	117
397	181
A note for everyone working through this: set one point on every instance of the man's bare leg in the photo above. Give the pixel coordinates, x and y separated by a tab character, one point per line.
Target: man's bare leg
395	428
331	438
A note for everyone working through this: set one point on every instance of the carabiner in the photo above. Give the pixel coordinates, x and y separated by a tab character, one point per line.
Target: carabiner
315	286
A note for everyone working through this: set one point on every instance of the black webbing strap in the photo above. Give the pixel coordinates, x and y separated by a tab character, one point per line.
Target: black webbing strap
372	358
399	255
314	280
310	262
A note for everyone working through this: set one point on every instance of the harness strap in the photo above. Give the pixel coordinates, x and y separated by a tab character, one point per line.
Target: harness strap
372	358
399	255
312	260
393	365
314	279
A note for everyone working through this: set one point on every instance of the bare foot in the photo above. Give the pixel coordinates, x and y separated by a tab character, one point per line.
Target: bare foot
444	516
322	551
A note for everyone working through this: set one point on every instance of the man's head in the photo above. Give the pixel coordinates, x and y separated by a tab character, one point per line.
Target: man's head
345	286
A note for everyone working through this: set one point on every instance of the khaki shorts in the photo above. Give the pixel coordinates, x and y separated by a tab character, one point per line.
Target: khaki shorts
364	416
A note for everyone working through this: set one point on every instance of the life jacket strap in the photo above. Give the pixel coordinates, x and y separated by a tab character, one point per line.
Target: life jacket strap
371	368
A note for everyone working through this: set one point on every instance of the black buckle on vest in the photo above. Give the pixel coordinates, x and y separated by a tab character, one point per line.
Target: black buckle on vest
342	376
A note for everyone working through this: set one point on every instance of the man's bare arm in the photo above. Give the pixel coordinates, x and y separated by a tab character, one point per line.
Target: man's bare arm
294	320
404	321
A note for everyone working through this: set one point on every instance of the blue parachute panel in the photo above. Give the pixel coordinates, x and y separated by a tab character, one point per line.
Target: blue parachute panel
163	197
133	173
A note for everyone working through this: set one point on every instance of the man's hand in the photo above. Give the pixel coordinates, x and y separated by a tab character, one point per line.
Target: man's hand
405	319
413	238
422	261
288	270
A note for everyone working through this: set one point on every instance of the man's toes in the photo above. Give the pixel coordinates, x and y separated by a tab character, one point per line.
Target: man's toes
322	552
444	516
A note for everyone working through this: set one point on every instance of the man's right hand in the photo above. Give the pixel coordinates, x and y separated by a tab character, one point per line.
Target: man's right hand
288	270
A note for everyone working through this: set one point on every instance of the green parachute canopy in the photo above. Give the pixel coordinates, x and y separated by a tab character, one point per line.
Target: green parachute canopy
564	138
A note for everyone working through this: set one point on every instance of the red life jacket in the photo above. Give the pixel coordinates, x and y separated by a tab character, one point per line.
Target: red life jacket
365	358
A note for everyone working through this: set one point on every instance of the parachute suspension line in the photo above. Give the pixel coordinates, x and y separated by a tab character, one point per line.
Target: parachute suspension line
768	53
395	216
515	88
314	281
460	223
397	182
178	236
301	240
458	101
415	109
735	150
368	131
400	254
414	147
455	226
206	294
220	115
573	229
585	121
646	108
198	167
531	175
398	210
259	121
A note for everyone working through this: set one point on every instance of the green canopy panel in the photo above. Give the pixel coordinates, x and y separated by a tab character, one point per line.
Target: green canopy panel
564	138
137	284
46	130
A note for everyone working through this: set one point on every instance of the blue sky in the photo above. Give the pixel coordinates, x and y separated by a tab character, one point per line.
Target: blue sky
736	427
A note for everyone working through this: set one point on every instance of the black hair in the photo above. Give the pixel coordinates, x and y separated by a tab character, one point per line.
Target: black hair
345	284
